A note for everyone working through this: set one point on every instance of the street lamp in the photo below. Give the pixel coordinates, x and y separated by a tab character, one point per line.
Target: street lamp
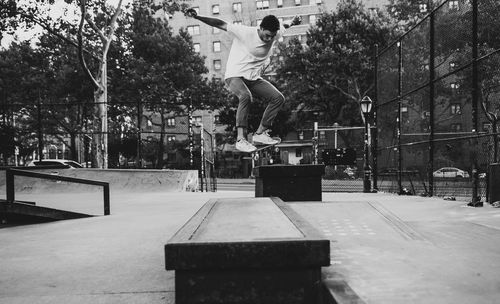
366	107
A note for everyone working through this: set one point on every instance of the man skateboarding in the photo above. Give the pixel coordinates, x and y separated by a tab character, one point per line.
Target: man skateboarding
250	49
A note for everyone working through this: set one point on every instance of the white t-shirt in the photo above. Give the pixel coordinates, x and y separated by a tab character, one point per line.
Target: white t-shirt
248	52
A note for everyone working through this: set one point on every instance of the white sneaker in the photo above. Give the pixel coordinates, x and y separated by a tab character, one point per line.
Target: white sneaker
265	139
244	146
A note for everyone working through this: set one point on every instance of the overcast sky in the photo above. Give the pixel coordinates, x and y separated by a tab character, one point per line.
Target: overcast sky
59	8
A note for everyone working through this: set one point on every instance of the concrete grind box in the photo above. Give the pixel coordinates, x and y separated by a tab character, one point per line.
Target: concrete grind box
247	250
289	182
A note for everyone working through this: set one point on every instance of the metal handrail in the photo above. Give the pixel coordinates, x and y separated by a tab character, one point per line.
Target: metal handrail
11	173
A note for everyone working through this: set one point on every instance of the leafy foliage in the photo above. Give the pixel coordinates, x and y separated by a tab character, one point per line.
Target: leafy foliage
335	69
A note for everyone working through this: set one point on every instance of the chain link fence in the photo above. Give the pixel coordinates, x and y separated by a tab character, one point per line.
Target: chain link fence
438	93
207	173
341	150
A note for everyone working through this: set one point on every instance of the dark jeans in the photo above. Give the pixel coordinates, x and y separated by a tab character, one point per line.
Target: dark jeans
244	89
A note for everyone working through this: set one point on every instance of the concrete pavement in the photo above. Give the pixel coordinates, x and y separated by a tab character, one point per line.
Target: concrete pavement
385	249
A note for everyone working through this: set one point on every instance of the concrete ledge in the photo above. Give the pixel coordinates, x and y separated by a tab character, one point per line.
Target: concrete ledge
289	182
123	180
247	250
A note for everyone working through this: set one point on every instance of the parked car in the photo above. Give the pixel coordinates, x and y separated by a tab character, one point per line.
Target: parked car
54	162
450	172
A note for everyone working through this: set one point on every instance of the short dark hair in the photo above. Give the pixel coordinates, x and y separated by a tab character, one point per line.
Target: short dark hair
270	23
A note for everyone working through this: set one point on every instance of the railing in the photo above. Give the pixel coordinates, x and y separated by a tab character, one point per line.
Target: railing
11	173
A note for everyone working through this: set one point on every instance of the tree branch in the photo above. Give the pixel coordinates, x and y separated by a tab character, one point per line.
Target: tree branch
112	28
57	34
86	70
95	28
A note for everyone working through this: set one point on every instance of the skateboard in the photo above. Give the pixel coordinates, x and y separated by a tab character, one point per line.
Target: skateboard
262	147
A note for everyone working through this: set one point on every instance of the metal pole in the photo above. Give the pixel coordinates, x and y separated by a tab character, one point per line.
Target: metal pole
139	135
190	135
400	92
475	101
202	156
315	141
432	75
10	186
366	168
40	134
375	131
106	200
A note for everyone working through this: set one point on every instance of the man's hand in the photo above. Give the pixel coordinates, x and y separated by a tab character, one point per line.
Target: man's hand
191	12
296	20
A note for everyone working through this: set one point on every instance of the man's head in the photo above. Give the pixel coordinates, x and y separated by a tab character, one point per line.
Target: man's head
268	28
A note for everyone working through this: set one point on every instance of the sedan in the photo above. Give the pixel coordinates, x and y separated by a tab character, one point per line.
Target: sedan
450	172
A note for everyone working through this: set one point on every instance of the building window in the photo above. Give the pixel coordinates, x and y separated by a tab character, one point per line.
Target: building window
422	7
456	127
217	64
215	30
404	112
237	7
318	2
170	138
217	119
172	157
301	135
456	109
298	152
454	86
312	19
216	46
197	120
262	4
279	3
215	9
196	47
453	5
238	22
171	122
486	127
453	65
193	30
149	125
297	2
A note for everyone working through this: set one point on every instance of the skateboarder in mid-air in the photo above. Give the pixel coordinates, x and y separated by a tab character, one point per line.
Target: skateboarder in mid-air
251	47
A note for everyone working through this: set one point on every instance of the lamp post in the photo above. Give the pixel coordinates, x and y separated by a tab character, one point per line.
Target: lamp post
366	107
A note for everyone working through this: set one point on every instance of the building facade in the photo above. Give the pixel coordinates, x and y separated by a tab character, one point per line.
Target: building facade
215	44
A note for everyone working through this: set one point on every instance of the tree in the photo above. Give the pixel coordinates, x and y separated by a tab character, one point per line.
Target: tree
163	74
92	36
335	70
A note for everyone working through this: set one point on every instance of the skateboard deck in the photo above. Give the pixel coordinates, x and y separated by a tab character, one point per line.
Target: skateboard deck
261	147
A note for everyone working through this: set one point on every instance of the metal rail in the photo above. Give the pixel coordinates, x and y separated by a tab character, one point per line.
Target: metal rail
11	173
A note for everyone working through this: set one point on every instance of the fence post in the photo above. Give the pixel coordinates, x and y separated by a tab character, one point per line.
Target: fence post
400	92
375	128
475	100
315	142
106	200
11	196
202	155
432	75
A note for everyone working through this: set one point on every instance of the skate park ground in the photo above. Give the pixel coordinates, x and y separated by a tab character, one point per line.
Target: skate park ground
385	248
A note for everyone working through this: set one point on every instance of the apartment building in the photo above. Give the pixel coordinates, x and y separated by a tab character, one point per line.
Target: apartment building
215	44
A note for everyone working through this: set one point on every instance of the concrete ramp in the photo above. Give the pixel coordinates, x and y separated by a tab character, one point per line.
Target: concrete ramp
28	213
119	180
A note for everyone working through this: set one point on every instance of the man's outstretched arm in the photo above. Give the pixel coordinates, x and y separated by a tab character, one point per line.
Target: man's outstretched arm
215	22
